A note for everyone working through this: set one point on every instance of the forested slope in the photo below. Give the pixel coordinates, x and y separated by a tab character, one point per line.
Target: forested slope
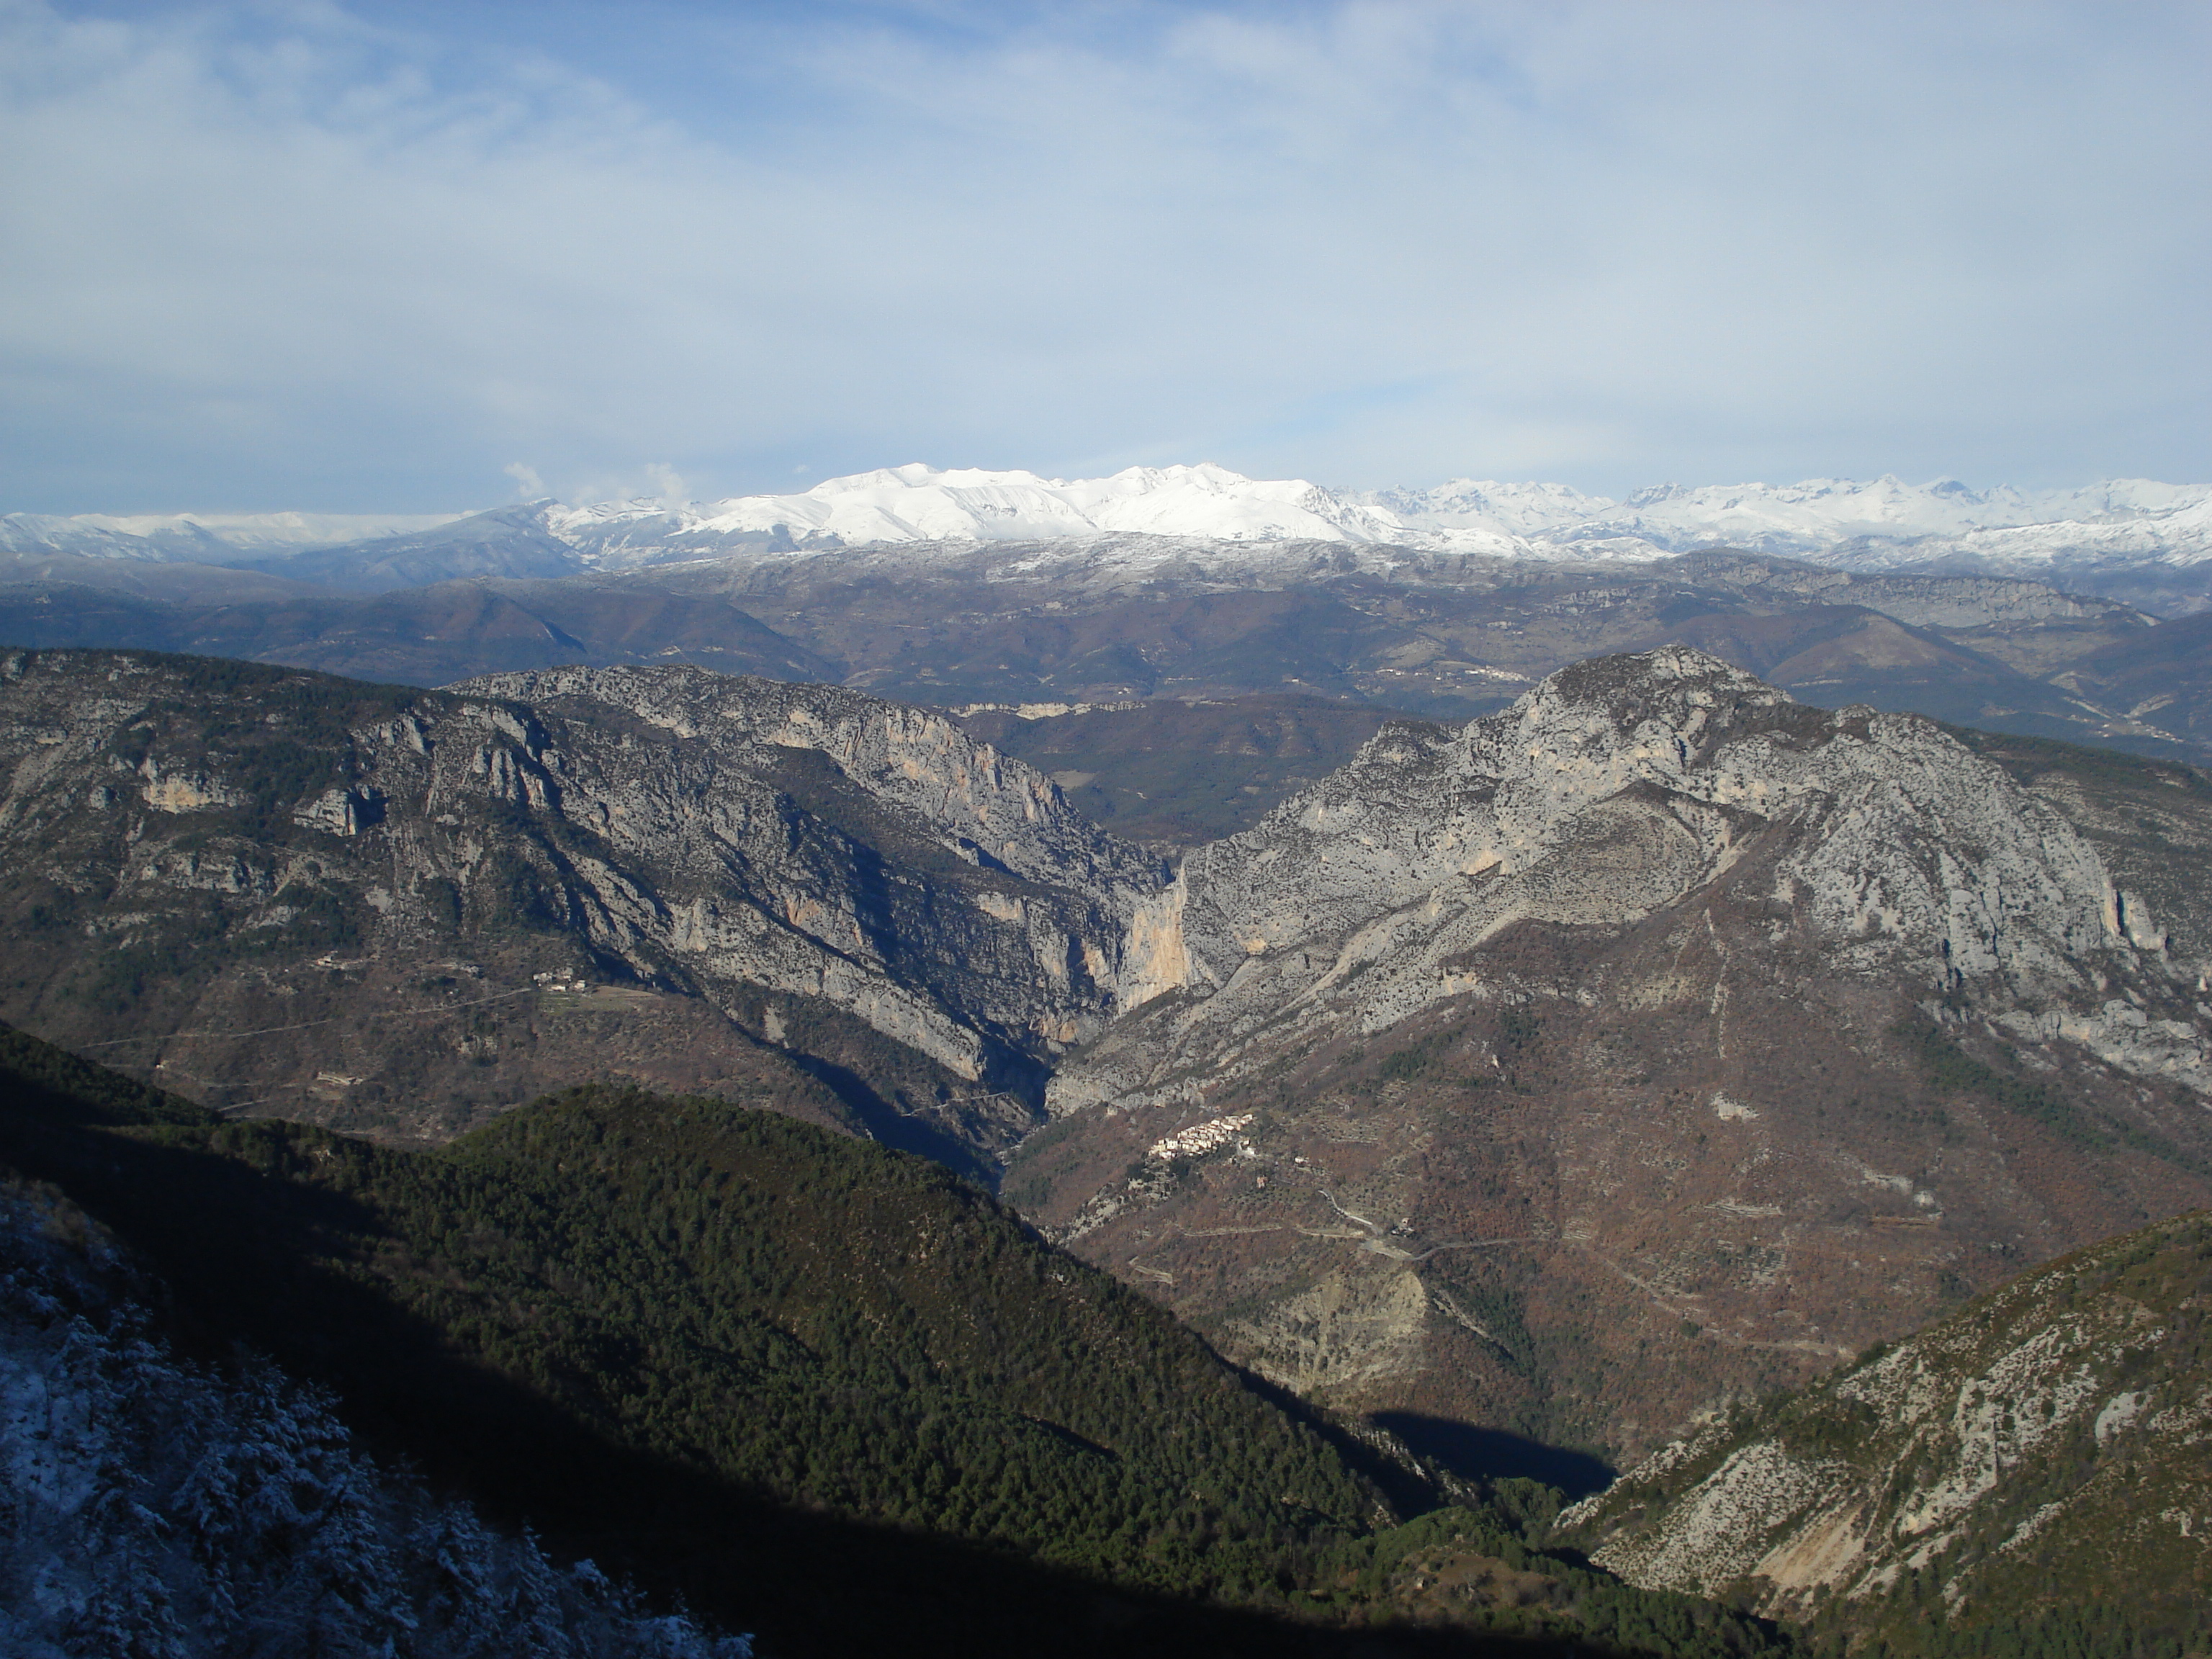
822	1390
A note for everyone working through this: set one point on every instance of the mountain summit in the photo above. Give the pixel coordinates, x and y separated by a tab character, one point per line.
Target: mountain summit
1852	524
1656	1038
1619	788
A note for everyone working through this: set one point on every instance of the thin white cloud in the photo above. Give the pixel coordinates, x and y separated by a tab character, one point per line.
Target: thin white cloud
298	256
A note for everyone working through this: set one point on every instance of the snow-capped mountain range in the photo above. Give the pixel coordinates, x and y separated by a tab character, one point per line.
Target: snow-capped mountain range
209	537
1884	523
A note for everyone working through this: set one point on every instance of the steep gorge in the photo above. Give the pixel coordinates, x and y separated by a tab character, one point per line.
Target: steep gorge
1561	1075
1655	1042
400	910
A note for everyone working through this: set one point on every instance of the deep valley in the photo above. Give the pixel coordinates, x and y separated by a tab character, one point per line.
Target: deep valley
1477	1107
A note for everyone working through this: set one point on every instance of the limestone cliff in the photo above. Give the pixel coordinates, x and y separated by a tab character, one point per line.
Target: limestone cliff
2038	1455
218	872
1614	790
1571	1072
1657	1038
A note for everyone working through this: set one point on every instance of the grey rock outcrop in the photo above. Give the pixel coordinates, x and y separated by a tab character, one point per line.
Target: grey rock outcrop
1026	948
2039	1450
1656	1040
672	830
1613	790
1762	1031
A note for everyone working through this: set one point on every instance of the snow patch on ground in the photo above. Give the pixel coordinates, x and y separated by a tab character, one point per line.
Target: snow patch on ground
157	1507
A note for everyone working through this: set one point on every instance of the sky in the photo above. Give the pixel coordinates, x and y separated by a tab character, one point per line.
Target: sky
396	256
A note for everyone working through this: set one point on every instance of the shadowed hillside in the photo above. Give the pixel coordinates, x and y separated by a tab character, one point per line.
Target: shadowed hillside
821	1390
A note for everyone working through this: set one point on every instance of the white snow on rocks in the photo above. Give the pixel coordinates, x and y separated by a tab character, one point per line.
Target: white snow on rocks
154	1506
1855	523
210	537
1860	525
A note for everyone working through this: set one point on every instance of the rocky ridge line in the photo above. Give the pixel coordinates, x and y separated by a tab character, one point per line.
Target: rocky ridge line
1613	789
686	831
2039	1451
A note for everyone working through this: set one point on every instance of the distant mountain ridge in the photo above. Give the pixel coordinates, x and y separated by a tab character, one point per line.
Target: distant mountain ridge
1878	524
1109	618
212	536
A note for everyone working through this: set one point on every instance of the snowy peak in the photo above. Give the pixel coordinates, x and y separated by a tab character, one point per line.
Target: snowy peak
917	502
1805	517
209	536
1866	524
1844	521
1507	509
1853	524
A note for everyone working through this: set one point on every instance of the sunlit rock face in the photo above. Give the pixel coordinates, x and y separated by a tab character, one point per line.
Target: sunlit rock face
1611	791
1027	944
1658	1037
1656	1040
349	896
2039	1452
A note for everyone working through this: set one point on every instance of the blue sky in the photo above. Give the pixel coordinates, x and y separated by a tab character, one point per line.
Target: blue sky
414	257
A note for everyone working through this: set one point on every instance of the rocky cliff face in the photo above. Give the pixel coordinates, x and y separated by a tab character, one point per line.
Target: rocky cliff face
1022	947
1614	791
1568	1072
342	901
1658	1037
2036	1454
